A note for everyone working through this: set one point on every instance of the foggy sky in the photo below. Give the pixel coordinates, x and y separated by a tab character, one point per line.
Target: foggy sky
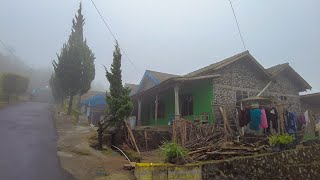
173	36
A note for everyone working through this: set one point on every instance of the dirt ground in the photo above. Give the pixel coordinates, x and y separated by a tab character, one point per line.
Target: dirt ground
82	161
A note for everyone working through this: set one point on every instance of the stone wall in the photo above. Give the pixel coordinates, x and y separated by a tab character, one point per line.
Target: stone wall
245	76
301	163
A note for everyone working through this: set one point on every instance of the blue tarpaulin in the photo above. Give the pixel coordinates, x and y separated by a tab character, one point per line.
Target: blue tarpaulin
95	100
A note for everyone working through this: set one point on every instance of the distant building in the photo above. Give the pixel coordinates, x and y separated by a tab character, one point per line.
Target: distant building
94	108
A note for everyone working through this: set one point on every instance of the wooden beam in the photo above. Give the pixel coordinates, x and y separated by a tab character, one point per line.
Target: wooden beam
156	111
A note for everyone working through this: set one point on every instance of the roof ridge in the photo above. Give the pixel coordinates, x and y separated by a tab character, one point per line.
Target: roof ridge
161	72
217	63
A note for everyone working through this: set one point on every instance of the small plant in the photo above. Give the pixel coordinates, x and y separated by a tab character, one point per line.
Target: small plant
284	139
173	152
273	140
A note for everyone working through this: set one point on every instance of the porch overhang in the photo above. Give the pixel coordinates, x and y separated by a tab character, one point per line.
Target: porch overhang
171	83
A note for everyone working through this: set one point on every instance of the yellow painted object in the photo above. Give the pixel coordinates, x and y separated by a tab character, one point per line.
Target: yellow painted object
161	171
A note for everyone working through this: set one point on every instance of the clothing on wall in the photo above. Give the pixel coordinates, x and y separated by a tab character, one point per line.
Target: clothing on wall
255	119
264	121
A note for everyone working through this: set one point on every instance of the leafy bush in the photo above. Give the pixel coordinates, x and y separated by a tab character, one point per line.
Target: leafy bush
273	140
283	139
171	151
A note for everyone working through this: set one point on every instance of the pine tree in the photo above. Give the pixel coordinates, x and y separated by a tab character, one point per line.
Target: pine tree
75	66
56	90
119	101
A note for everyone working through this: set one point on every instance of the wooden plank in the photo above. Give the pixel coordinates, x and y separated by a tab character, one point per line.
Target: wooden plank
132	137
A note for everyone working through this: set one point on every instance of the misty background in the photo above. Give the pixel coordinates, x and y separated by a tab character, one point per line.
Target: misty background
175	37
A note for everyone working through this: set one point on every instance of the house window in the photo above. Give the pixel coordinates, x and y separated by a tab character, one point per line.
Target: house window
240	95
161	110
186	105
283	98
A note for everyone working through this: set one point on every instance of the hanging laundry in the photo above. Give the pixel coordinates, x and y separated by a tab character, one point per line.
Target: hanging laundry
242	117
317	118
302	119
255	119
248	115
290	123
307	118
264	121
272	116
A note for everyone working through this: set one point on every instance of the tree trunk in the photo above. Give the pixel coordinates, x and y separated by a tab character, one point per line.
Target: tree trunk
70	104
79	101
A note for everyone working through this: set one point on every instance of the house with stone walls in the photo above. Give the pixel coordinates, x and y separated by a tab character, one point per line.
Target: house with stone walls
311	102
160	97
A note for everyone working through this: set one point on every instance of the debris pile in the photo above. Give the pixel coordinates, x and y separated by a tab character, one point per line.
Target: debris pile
215	147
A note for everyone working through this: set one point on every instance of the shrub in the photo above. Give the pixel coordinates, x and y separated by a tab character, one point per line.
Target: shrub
172	151
273	140
284	139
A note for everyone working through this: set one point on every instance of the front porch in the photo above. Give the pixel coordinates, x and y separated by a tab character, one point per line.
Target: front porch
190	100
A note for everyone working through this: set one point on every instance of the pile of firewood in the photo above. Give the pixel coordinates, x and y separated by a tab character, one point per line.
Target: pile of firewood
215	147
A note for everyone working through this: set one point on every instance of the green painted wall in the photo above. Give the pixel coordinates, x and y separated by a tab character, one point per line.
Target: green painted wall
168	99
202	94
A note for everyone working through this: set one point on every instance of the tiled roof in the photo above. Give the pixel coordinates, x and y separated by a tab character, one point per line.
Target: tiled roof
161	76
132	87
274	70
219	64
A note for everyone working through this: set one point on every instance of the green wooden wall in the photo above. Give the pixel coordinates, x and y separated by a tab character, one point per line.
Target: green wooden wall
202	97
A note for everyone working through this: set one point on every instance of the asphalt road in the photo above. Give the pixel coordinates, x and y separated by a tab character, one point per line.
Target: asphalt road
28	148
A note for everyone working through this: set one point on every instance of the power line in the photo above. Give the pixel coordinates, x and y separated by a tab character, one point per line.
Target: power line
7	48
110	31
235	17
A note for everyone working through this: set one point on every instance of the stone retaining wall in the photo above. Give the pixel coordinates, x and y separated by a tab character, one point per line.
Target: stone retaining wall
294	164
301	163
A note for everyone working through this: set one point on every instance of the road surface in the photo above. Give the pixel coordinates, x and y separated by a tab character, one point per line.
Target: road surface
28	148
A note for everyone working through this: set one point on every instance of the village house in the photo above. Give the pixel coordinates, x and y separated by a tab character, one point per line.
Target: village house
160	97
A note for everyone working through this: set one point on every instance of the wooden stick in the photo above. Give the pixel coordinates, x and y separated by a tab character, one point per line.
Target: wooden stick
132	137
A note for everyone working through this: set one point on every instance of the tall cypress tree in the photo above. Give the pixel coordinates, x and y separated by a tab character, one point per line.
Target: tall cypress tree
75	66
119	101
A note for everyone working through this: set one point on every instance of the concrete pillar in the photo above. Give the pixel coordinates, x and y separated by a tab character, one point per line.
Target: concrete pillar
176	103
139	112
156	111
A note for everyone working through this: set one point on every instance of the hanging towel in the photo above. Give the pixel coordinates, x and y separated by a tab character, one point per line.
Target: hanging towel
264	121
255	119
